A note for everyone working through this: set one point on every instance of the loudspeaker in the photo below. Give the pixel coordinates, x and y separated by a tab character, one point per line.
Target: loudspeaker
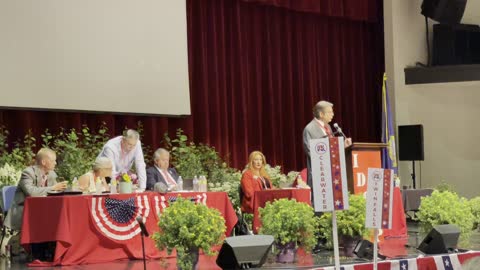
410	142
440	239
364	250
456	44
246	251
444	11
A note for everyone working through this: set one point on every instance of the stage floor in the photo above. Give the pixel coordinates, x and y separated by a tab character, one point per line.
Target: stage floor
396	248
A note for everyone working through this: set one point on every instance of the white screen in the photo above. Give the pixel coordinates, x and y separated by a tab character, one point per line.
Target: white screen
95	55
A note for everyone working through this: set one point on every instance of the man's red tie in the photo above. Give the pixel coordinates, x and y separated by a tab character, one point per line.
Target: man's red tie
169	179
328	131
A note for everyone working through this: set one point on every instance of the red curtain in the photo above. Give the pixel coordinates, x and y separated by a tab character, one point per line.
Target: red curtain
256	71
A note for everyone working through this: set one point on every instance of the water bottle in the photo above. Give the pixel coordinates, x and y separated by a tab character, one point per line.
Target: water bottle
75	184
8	254
98	186
299	181
204	183
113	186
200	183
180	183
195	183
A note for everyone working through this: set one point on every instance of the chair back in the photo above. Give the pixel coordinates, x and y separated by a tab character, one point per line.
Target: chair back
240	193
8	193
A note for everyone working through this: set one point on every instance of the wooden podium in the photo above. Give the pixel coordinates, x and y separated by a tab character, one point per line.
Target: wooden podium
359	157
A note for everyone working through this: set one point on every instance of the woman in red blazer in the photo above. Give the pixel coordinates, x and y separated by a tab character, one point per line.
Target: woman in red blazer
254	178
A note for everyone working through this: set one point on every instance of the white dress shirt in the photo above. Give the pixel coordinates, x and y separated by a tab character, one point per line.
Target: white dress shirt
168	178
123	162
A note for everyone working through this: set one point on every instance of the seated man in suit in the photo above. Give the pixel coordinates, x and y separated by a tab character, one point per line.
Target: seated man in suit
160	177
35	181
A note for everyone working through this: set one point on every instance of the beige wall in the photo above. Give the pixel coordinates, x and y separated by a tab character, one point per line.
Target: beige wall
448	111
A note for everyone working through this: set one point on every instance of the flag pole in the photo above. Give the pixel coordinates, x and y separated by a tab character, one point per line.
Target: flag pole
335	240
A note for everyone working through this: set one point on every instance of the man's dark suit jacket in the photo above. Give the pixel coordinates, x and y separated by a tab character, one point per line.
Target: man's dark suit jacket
154	176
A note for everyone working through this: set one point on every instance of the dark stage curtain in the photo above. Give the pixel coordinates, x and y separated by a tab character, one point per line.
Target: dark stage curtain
256	70
363	10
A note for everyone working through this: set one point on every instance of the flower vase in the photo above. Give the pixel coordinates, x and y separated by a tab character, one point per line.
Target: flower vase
125	187
192	256
286	253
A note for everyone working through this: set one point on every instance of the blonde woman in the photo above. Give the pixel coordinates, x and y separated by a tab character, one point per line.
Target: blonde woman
101	168
254	178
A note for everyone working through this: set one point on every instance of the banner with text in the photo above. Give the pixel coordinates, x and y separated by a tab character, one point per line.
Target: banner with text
329	174
379	198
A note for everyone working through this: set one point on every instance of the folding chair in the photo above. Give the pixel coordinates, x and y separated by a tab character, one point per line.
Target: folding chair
8	193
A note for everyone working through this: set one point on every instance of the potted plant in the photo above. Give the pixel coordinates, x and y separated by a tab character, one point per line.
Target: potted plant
292	224
475	208
188	227
445	207
350	225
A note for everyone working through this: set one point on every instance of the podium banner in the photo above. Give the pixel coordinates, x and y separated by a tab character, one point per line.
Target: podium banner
379	198
329	174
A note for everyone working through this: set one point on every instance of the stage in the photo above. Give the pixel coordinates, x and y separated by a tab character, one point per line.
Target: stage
400	251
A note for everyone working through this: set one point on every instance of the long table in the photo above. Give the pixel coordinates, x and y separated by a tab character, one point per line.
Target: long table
413	197
85	233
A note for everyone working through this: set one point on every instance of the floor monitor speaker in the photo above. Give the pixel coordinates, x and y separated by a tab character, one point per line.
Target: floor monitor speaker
243	252
441	239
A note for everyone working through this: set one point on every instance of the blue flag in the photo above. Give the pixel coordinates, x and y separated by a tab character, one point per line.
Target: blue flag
389	154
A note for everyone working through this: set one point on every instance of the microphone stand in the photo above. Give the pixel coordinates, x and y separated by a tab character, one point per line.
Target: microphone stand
143	232
413	175
143	252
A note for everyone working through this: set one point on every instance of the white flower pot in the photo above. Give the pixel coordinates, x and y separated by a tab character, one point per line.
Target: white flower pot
125	187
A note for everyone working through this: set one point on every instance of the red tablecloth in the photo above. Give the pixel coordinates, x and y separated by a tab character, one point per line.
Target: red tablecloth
74	223
399	222
260	198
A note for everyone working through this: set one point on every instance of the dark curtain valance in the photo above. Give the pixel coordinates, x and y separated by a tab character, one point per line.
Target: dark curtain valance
362	10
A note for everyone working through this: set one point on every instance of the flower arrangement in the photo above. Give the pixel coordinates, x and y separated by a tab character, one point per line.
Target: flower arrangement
475	208
186	227
230	181
290	221
9	176
446	207
128	177
350	223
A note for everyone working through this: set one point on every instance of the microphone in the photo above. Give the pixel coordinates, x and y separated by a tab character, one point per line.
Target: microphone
339	130
142	226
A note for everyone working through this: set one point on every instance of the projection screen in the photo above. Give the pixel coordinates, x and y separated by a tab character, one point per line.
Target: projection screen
122	56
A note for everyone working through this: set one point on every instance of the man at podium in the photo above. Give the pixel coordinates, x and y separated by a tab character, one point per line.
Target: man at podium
319	128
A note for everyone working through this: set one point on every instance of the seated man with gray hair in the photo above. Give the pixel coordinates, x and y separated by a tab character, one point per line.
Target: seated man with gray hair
319	128
124	151
36	181
160	177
